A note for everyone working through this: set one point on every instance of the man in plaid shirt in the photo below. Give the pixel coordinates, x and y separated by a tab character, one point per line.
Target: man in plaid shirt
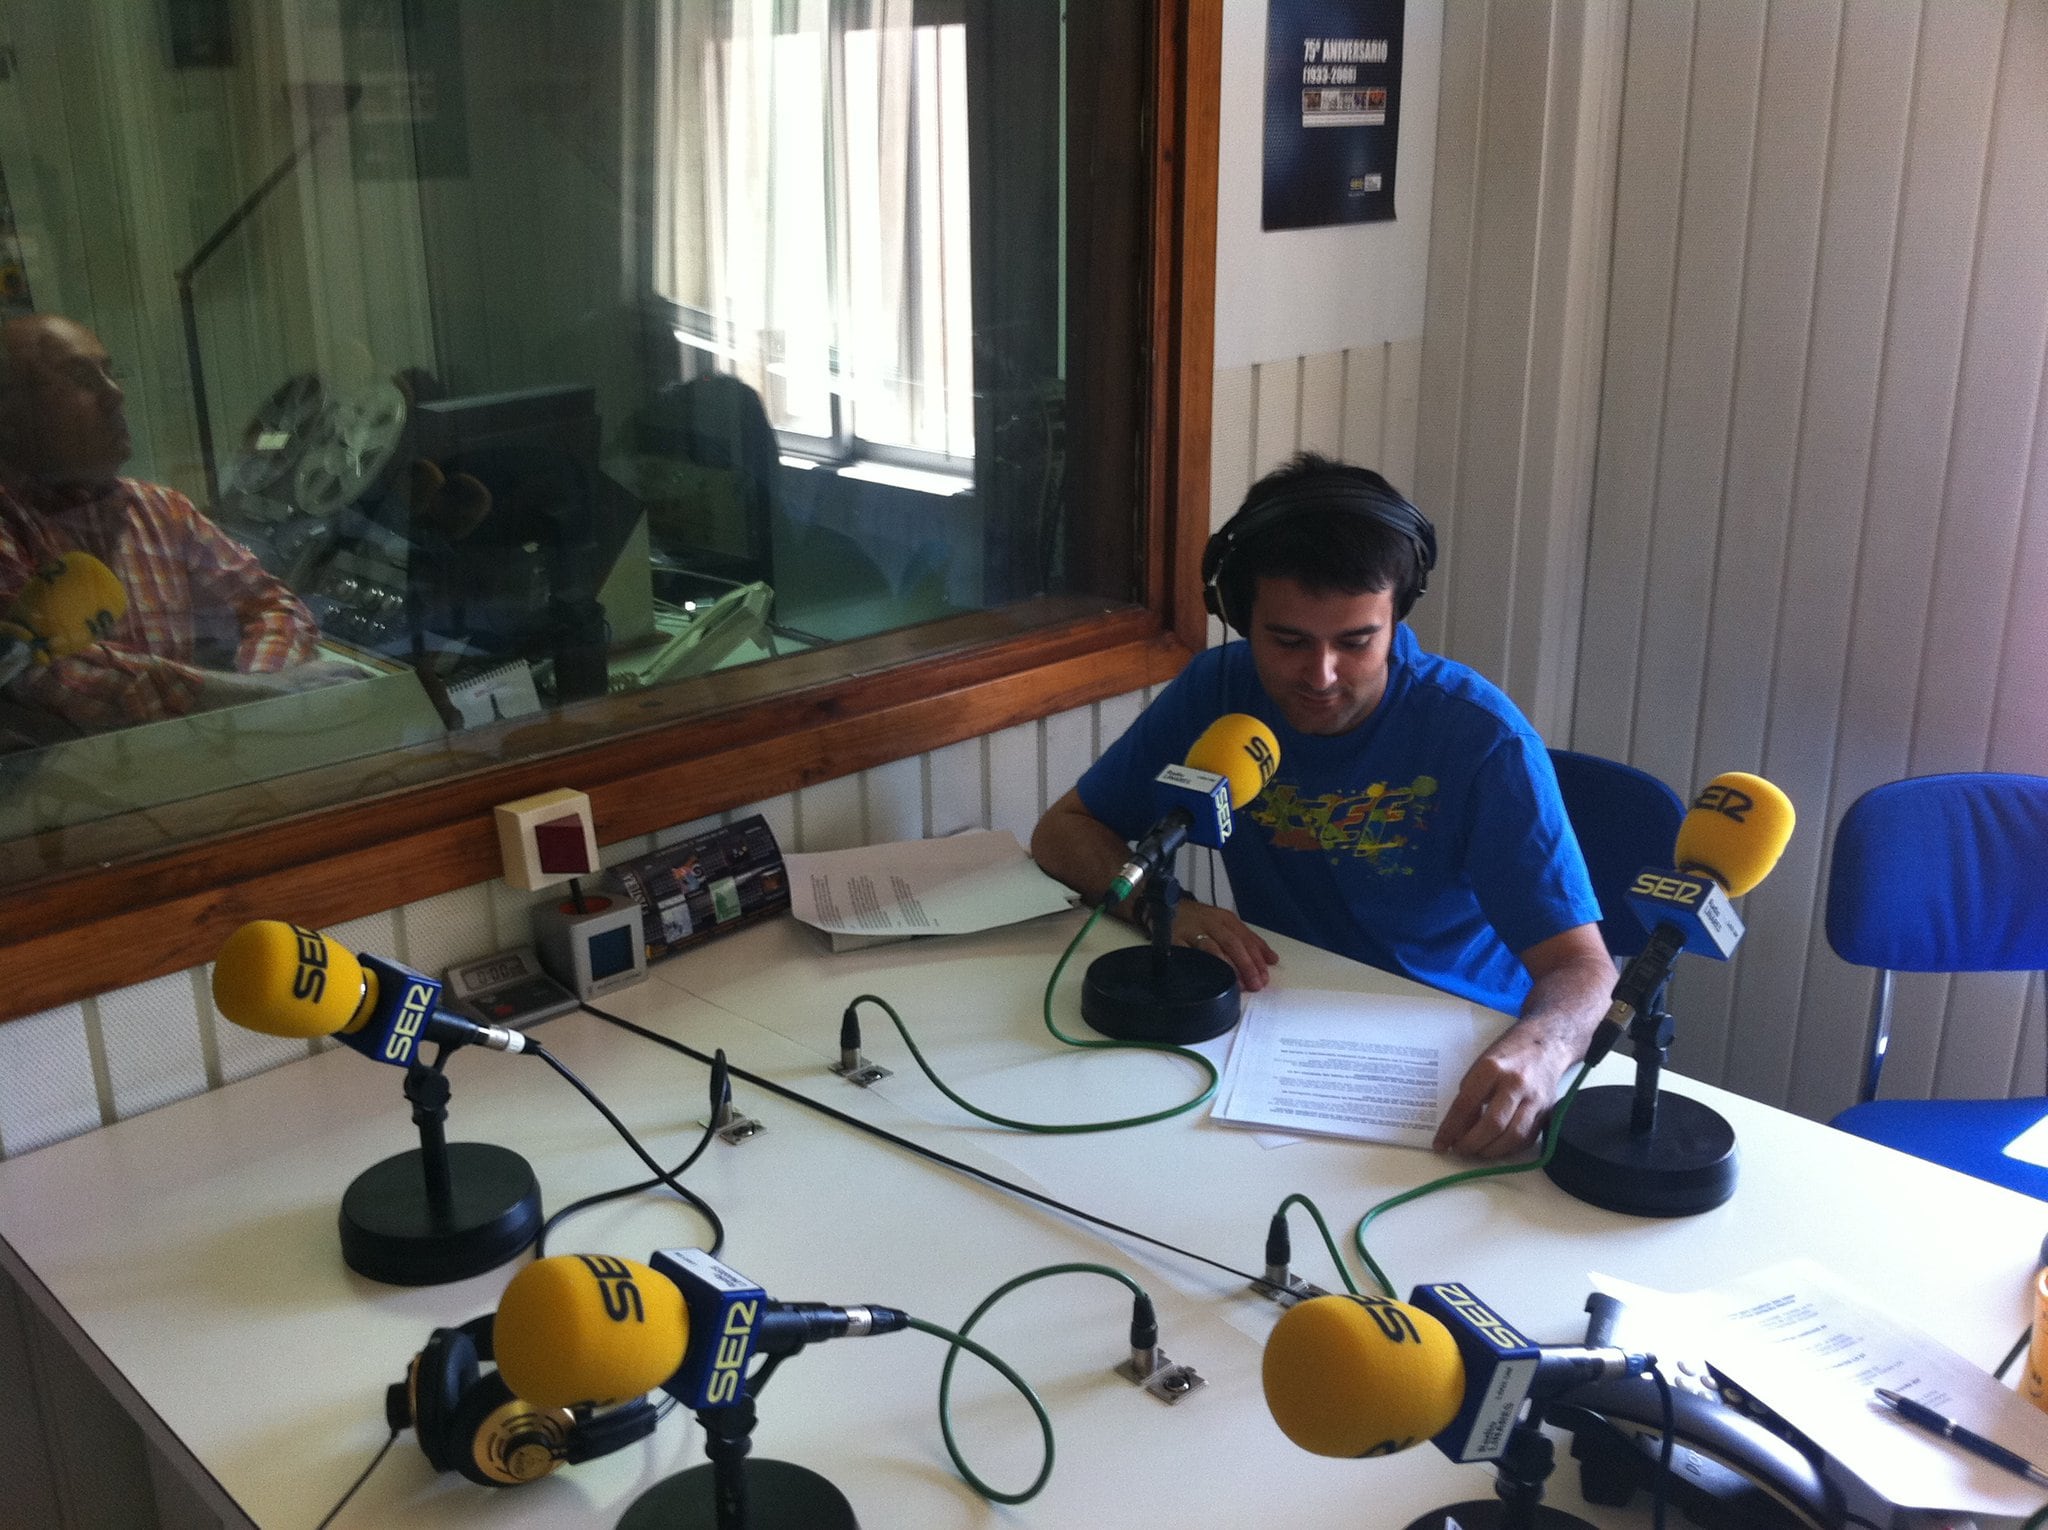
206	625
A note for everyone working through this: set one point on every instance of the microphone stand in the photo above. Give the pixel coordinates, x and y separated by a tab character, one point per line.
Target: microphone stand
1525	1465
1634	1150
202	415
728	1493
443	1211
1160	992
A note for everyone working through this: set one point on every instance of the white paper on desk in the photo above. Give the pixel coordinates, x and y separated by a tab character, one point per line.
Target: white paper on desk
950	886
1369	1066
1812	1350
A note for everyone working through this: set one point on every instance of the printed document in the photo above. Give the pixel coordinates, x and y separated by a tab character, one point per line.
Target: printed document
1369	1066
950	886
1813	1351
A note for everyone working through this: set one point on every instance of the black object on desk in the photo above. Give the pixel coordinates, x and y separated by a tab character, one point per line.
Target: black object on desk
443	1211
1161	992
1637	1150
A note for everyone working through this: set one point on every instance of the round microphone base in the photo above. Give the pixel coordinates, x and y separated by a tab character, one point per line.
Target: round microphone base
780	1496
1178	995
389	1232
1684	1166
1492	1514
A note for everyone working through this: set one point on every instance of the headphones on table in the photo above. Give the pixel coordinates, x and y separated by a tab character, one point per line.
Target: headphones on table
468	1421
1353	492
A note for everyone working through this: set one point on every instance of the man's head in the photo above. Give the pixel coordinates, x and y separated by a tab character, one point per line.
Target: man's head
1316	568
1328	525
61	415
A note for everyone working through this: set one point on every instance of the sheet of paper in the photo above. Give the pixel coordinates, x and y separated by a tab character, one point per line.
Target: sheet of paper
1368	1066
950	886
1812	1350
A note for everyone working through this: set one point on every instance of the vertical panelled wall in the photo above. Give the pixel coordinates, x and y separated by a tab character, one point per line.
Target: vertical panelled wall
1820	524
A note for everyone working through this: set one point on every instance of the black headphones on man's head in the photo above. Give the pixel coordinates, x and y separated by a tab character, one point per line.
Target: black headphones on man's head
1357	491
469	1421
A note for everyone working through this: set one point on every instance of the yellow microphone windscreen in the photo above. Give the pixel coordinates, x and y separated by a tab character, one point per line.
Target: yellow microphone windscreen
1242	750
286	981
1736	831
1361	1376
71	604
588	1328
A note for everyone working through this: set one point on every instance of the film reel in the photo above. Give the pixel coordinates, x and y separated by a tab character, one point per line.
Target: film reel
360	434
277	437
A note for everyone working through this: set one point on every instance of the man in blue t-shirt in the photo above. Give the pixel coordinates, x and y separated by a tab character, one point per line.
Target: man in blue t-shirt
1414	821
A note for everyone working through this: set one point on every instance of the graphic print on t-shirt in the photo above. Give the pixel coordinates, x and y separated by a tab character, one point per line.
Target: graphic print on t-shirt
1378	825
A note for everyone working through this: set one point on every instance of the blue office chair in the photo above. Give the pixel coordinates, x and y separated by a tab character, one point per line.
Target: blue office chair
1625	819
1943	874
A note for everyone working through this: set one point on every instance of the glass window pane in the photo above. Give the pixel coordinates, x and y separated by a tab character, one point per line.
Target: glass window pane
381	373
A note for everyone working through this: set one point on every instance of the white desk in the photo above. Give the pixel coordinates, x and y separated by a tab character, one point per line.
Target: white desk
190	1254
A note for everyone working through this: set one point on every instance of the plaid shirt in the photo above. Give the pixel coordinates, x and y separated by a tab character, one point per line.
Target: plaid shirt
195	598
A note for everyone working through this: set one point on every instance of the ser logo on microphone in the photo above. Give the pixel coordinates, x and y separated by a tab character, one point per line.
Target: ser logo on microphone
615	1288
1263	756
728	1368
412	1014
1728	801
1479	1318
1681	892
309	980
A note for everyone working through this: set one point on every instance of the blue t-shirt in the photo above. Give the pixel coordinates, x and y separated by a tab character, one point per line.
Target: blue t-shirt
1430	840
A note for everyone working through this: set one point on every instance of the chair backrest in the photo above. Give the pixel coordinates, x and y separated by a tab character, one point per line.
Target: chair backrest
1625	819
1940	874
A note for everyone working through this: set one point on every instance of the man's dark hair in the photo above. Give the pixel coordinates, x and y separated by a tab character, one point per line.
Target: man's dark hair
1345	530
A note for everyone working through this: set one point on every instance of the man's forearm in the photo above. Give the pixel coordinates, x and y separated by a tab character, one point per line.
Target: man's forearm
1564	1005
1077	848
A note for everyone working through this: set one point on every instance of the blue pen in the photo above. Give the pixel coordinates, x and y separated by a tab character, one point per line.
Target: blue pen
1988	1450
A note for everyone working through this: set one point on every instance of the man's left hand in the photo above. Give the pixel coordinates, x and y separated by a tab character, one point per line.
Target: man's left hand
1505	1097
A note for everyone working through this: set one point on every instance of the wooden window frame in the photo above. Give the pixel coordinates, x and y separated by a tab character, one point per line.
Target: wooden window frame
737	737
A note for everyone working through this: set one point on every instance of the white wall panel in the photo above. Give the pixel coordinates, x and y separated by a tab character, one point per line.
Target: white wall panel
829	816
1818	517
893	798
958	777
149	1038
46	1069
1016	781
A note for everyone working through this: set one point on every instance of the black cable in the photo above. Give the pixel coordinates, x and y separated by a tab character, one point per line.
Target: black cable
540	1244
2019	1348
375	1461
661	1176
930	1154
1662	1487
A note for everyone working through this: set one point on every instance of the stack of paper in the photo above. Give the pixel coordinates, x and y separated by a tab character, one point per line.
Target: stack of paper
1369	1066
1814	1351
951	886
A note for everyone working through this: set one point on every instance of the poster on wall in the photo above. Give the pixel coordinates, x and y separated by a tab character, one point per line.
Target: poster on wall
1333	111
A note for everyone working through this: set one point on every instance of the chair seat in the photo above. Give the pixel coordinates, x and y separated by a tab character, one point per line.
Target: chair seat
1968	1136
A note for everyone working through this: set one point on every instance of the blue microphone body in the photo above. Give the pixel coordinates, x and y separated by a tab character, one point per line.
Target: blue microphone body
1202	795
399	1021
1503	1370
732	1320
1694	903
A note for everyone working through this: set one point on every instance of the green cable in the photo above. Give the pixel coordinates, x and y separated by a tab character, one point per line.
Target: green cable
1039	1126
957	1342
960	1341
1550	1134
1329	1241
